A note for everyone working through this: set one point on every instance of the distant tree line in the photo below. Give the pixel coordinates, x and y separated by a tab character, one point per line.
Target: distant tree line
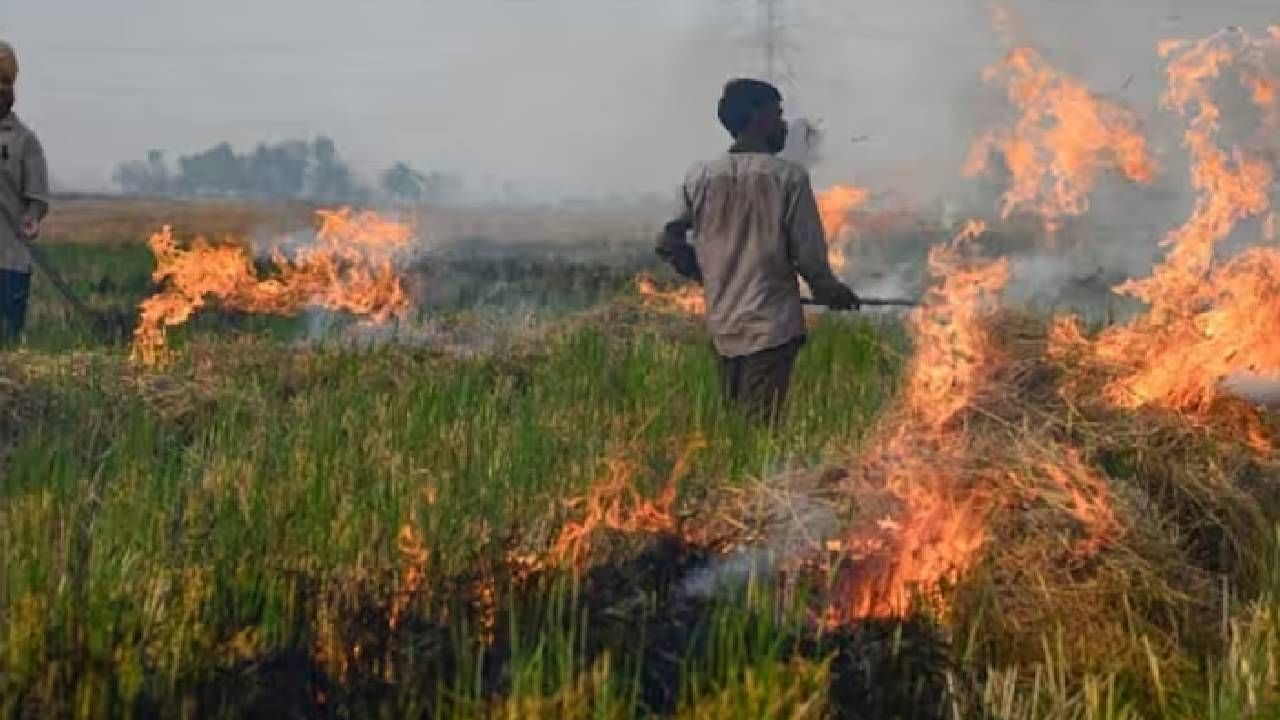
288	170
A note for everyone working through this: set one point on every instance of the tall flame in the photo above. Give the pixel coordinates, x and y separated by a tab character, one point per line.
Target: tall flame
941	479
953	355
1064	137
1206	319
939	529
349	268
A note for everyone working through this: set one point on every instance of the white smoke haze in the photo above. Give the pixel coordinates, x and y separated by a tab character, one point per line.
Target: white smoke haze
1263	390
547	100
555	93
794	518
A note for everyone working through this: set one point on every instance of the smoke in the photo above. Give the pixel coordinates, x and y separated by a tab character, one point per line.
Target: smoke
481	281
540	94
1261	390
555	98
1112	51
795	521
804	141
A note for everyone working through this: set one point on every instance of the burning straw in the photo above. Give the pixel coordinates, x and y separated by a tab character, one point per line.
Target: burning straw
1207	320
349	268
1033	481
934	526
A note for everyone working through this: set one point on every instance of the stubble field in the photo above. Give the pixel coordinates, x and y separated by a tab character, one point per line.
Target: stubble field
530	502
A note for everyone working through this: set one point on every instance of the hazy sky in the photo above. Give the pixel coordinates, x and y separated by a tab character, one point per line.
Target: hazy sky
574	95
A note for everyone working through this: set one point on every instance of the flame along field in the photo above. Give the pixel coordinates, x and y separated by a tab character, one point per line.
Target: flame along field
270	529
975	512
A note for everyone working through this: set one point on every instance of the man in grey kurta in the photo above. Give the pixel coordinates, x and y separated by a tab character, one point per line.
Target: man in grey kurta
24	201
755	225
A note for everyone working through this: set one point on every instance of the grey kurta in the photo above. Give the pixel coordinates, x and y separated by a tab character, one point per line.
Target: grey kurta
755	225
24	189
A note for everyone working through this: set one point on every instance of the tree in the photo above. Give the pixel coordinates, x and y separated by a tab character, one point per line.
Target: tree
441	186
279	171
404	184
216	171
331	179
149	177
292	169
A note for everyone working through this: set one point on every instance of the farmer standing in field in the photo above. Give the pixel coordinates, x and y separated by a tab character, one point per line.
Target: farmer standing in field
755	225
24	201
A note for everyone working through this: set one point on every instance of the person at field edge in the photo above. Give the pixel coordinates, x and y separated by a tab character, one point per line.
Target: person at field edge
755	224
24	201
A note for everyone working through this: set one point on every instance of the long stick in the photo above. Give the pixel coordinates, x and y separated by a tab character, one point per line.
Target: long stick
38	259
869	302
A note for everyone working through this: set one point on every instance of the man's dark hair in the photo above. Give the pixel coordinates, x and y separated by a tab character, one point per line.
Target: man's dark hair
741	98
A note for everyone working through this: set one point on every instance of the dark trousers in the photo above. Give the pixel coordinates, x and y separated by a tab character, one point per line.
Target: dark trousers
15	289
758	383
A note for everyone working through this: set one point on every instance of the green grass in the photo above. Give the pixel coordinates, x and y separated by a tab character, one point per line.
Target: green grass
110	280
149	553
225	538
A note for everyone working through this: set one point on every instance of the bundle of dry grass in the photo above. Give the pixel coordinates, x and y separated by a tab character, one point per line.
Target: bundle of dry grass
1081	544
32	384
1111	539
20	403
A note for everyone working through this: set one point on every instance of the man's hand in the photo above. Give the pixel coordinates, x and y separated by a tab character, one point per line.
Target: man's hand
674	248
684	260
31	228
844	299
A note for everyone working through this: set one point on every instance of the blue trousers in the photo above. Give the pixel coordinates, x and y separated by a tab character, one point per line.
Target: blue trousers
15	289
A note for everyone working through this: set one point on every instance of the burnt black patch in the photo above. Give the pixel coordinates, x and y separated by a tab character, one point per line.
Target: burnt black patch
634	610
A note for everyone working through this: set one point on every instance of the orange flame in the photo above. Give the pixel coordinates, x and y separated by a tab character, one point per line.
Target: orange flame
348	269
939	530
834	206
1206	319
614	503
416	557
934	539
688	299
943	489
1065	136
953	357
1087	497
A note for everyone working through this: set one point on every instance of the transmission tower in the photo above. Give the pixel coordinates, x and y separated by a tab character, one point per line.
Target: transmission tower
772	38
